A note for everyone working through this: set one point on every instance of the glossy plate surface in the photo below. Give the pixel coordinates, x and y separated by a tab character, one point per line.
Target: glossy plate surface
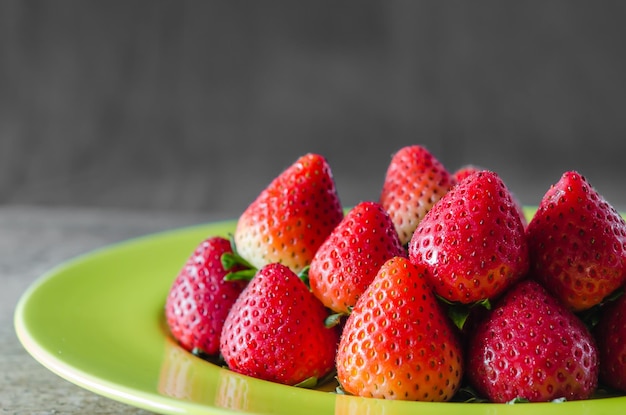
97	321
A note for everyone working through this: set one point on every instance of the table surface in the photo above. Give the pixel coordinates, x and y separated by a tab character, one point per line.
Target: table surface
32	241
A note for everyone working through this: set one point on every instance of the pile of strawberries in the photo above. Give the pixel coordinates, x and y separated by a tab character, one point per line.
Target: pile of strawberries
439	286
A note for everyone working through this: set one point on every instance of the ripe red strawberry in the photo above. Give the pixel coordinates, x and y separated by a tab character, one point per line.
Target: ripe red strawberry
469	169
414	182
291	217
577	243
465	171
349	259
532	347
200	299
275	330
398	343
610	334
472	241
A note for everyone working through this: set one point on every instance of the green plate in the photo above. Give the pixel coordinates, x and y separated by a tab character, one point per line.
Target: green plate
97	321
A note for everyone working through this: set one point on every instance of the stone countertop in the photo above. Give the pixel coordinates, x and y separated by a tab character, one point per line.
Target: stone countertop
32	241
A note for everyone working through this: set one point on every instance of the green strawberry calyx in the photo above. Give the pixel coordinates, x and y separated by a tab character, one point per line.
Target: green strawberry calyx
334	319
308	383
314	381
232	259
304	276
459	312
246	270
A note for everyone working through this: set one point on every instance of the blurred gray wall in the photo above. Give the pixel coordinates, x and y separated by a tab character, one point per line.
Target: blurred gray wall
197	105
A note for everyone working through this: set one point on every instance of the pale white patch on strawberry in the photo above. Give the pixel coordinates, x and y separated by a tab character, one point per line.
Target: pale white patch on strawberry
414	182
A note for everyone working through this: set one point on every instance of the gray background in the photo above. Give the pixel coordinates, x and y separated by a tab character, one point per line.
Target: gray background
196	106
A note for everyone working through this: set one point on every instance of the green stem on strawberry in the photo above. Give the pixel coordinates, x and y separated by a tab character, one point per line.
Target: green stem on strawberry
314	381
467	394
308	383
231	260
334	319
518	400
459	312
304	276
244	275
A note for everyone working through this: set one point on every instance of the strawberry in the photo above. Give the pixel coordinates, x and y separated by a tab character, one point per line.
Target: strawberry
349	259
472	241
533	348
275	330
610	334
465	171
200	298
398	343
414	182
577	243
291	217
